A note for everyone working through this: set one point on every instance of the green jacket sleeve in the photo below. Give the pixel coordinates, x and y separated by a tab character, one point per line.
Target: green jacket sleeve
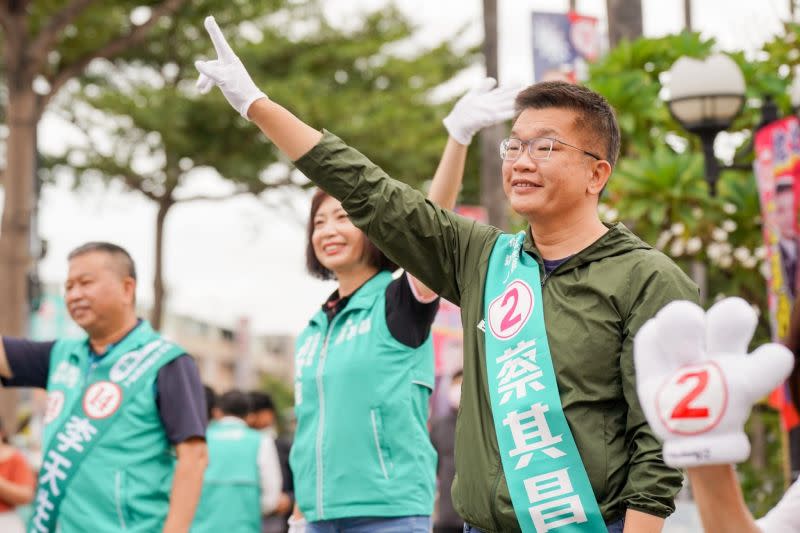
435	245
651	485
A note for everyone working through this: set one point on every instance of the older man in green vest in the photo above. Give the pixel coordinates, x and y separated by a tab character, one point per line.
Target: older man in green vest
122	405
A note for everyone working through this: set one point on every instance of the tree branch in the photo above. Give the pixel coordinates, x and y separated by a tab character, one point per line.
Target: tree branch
207	198
254	191
135	183
49	34
111	48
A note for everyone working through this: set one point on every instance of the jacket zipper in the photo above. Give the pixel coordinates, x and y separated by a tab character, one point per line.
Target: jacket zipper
321	426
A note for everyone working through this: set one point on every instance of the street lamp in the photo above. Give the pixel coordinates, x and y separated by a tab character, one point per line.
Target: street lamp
794	91
705	97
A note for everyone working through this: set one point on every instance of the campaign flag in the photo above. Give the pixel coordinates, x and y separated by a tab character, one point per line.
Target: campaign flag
777	172
563	46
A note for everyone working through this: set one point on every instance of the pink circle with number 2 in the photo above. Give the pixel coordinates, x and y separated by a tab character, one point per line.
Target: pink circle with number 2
693	400
509	312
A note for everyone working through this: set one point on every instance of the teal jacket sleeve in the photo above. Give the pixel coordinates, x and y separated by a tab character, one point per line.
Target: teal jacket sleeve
433	244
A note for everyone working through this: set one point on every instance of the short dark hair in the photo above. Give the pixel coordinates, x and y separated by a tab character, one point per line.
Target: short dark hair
211	400
234	403
261	401
372	254
595	114
118	253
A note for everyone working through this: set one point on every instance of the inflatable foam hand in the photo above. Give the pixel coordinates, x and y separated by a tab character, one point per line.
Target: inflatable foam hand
696	382
227	72
482	106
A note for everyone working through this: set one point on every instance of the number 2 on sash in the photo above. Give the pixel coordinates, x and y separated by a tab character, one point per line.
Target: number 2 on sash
510	319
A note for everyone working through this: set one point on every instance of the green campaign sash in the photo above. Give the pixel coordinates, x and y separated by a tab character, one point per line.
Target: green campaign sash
548	484
123	373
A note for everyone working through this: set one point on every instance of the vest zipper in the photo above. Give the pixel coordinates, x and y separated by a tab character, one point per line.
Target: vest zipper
321	426
118	497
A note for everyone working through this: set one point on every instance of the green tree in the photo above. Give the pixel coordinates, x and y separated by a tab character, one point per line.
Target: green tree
45	44
161	131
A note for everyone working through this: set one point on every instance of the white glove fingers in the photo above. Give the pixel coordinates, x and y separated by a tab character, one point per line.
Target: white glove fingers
486	85
224	50
507	93
209	69
681	332
766	368
730	325
204	84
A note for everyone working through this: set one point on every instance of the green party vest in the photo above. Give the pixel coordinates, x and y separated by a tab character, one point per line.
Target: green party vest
231	499
548	484
84	402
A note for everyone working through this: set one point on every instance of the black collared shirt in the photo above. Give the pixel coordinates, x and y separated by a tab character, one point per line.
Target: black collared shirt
408	319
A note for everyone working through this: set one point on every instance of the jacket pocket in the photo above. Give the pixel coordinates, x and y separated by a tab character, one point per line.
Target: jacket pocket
381	449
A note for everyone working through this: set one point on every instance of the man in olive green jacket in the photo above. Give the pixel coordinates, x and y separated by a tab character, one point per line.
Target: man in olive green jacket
600	283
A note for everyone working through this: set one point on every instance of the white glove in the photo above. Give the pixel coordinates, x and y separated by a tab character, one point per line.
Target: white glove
297	525
482	106
696	382
227	72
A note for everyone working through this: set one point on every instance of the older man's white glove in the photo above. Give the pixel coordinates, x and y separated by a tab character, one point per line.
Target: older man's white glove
227	72
696	382
482	106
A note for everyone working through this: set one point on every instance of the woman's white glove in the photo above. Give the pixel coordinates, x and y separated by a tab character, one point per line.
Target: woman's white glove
481	107
696	382
297	525
227	72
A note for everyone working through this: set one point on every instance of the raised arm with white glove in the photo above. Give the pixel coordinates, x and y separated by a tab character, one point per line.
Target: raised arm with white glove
227	72
480	107
483	106
696	384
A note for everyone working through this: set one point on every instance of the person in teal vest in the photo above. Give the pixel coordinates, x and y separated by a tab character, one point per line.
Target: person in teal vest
550	434
124	439
243	479
362	459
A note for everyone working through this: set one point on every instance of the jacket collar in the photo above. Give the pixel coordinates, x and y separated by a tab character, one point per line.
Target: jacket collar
617	240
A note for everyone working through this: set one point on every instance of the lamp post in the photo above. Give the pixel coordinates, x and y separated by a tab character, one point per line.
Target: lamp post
705	97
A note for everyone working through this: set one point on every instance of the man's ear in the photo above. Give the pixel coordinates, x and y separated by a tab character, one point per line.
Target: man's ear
129	286
601	172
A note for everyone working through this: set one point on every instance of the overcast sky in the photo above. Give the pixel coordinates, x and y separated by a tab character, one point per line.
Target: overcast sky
233	259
